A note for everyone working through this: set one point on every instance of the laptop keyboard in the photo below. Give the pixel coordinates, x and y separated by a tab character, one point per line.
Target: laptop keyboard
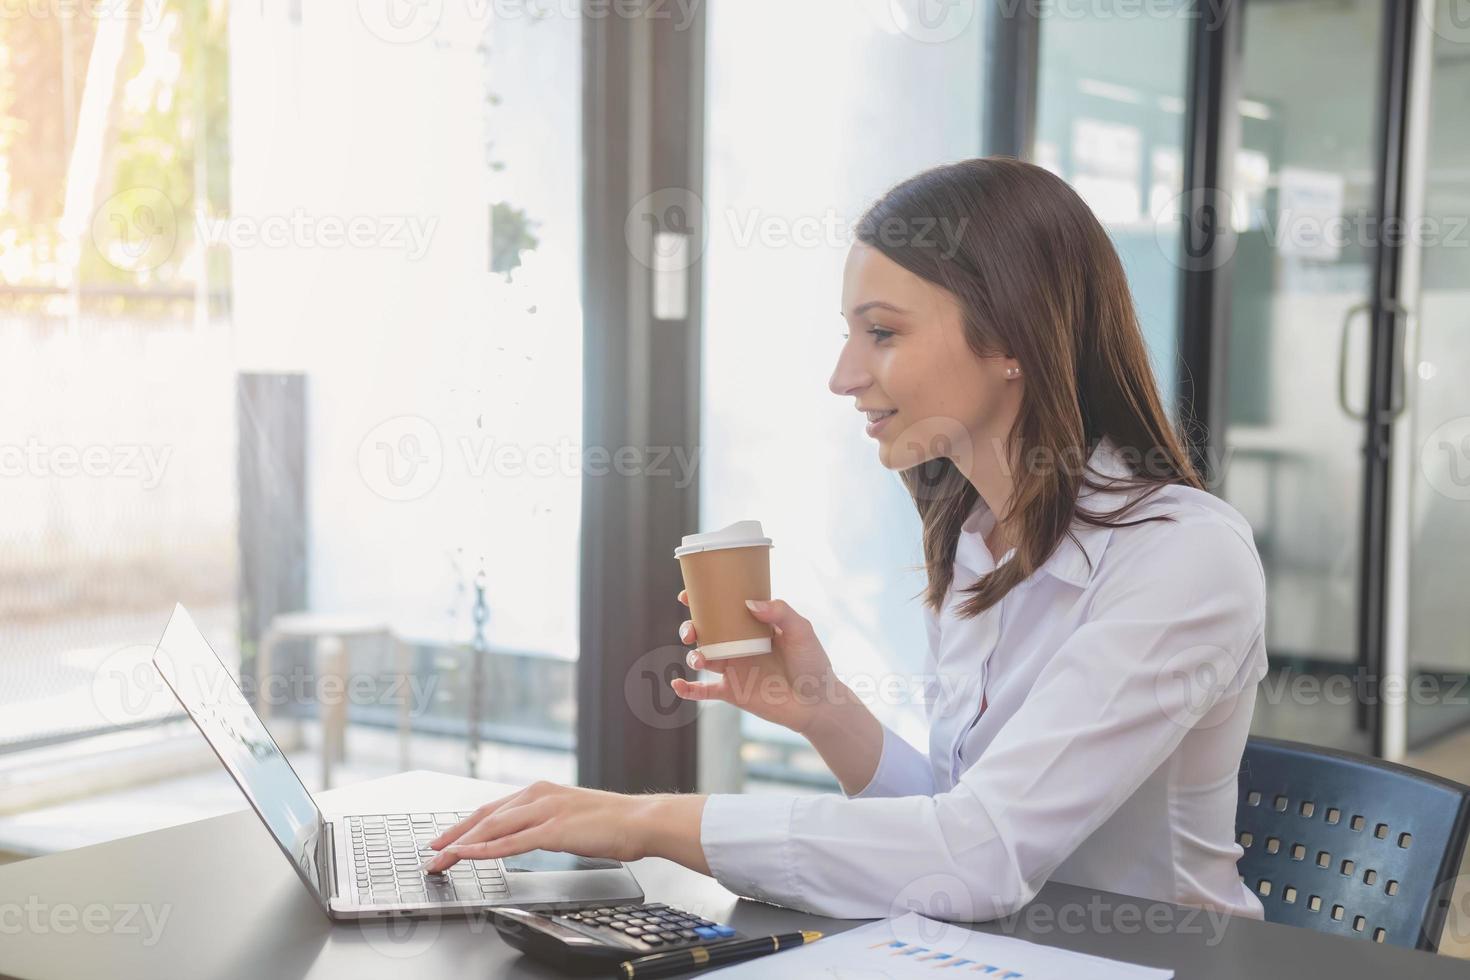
388	857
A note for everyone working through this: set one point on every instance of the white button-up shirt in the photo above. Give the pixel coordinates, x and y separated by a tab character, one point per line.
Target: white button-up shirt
1089	727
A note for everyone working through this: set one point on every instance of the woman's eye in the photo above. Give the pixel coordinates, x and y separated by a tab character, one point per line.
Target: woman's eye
879	334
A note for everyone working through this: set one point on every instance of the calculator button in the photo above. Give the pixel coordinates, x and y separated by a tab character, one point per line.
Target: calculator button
723	931
705	932
652	940
688	934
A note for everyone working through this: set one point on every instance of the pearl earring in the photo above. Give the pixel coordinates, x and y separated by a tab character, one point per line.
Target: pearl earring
1013	372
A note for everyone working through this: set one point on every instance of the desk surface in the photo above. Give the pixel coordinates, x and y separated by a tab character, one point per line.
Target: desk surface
224	903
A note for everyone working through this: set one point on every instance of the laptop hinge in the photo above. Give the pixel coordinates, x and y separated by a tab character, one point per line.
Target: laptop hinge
326	850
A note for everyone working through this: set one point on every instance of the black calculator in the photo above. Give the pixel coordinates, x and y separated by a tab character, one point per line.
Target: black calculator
595	940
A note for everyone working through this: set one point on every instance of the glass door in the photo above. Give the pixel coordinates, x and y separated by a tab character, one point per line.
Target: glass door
1305	204
1429	620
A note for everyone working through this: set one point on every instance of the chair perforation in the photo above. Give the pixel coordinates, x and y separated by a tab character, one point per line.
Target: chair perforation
1360	855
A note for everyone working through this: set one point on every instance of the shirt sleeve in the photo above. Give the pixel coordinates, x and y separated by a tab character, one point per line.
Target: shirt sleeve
1173	632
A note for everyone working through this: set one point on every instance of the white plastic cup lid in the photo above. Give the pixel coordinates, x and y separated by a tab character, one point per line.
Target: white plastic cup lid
741	534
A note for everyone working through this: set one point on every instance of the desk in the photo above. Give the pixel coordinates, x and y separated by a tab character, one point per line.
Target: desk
235	908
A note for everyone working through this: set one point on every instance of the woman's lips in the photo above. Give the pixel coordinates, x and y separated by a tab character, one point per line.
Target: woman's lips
875	427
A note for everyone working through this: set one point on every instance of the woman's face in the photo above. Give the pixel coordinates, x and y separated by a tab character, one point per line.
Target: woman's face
906	355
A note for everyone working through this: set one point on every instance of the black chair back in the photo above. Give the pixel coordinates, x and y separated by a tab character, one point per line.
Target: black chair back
1349	845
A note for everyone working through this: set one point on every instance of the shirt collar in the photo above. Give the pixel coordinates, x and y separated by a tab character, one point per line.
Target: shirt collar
1073	561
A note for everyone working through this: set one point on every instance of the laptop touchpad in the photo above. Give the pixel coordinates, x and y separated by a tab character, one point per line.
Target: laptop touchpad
556	861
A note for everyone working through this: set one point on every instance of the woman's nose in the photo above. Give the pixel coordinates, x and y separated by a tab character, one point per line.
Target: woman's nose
848	377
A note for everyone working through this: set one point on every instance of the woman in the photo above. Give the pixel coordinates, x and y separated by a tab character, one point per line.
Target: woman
1092	687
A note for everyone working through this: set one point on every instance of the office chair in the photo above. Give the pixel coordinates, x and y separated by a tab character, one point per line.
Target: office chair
1349	845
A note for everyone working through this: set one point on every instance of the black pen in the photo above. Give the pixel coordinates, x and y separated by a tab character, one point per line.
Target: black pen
716	954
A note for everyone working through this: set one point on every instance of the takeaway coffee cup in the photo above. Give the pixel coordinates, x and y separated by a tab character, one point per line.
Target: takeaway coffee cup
721	570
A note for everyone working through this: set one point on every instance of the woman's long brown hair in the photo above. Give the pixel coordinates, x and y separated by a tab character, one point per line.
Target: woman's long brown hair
1039	281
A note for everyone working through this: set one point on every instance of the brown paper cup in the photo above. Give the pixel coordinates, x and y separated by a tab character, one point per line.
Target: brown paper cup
721	570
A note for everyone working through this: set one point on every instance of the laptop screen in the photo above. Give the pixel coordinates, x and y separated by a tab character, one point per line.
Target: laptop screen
207	691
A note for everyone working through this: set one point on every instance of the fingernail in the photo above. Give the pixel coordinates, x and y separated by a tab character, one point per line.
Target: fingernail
755	605
683	631
690	659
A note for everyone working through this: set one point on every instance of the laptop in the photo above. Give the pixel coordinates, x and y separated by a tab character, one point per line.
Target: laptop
364	865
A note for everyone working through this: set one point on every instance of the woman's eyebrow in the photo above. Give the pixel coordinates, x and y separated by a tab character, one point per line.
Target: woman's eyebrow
872	304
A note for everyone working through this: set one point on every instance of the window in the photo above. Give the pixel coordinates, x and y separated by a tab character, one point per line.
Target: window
802	137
